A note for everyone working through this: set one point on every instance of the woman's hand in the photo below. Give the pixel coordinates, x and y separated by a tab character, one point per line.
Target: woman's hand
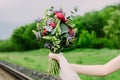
54	56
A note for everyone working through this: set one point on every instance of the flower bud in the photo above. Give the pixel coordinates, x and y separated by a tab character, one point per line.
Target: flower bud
52	24
45	32
71	31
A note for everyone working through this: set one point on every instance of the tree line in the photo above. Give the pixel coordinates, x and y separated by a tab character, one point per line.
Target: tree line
95	29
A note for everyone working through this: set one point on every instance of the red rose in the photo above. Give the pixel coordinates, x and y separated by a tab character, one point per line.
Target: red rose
60	16
45	32
52	24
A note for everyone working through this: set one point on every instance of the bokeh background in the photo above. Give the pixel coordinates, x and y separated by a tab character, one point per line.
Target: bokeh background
97	37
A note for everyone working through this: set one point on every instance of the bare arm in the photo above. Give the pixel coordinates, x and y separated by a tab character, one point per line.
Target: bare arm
98	70
95	70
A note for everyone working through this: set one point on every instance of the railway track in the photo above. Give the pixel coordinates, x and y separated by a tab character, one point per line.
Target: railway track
14	73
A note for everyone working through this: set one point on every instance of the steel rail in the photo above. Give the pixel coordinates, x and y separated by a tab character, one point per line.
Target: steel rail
15	73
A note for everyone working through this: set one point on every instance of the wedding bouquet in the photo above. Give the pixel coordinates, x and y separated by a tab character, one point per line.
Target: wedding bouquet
56	32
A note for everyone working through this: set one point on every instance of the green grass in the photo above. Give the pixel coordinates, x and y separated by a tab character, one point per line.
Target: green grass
38	59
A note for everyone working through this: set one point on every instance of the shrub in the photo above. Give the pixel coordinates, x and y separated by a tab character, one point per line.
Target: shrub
24	39
86	39
100	43
18	39
6	45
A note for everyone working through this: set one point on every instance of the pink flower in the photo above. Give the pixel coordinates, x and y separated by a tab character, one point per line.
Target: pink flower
60	16
71	31
52	24
45	32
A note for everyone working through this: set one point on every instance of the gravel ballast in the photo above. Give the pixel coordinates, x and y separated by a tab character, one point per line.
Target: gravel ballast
36	75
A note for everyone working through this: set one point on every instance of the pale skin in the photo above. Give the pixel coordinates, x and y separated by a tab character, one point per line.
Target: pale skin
92	70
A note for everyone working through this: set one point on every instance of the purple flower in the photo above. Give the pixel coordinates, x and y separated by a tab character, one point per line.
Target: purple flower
38	35
69	39
48	45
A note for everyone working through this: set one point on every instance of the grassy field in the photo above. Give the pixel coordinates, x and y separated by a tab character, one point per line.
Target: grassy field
38	59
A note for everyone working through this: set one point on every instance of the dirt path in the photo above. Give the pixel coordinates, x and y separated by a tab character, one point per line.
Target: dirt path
6	76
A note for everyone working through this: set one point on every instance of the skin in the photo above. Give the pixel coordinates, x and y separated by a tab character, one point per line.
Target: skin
92	70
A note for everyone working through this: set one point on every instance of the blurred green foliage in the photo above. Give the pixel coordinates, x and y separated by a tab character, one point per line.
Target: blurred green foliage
38	59
99	29
6	45
24	39
96	29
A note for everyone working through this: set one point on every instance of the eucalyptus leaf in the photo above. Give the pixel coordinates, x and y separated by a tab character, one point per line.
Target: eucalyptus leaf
66	35
53	31
48	28
49	21
72	12
75	9
64	29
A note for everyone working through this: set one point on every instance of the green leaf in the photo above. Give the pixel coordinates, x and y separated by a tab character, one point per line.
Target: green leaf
66	35
56	42
75	30
58	30
72	12
51	38
64	28
58	46
53	31
75	9
48	28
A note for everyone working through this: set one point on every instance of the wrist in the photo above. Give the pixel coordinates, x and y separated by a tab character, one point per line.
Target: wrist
54	56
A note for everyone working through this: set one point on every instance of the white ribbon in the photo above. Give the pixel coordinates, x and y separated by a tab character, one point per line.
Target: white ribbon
66	72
